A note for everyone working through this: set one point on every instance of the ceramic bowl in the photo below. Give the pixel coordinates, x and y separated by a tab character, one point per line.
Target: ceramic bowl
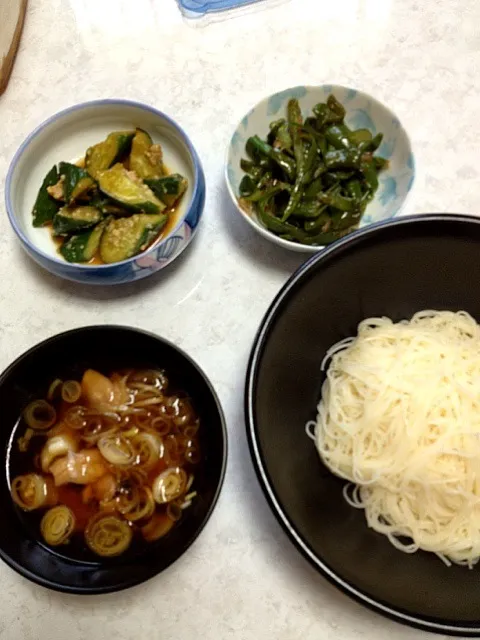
66	136
363	111
66	356
394	269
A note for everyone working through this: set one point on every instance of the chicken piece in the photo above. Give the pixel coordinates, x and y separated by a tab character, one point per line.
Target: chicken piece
56	190
87	494
61	429
57	447
83	467
101	393
104	489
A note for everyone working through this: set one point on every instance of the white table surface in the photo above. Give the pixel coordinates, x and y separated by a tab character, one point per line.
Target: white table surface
242	579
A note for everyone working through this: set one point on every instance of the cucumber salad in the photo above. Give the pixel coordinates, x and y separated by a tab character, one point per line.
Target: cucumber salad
111	205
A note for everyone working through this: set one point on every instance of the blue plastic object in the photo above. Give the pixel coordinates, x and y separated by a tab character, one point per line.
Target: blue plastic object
198	8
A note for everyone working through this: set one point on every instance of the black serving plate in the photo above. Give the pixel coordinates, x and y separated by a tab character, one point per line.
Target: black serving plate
394	269
107	348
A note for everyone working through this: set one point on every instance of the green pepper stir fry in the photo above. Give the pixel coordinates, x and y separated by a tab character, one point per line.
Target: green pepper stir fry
311	180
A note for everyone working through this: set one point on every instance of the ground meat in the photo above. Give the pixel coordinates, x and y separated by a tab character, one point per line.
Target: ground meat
133	176
56	190
155	154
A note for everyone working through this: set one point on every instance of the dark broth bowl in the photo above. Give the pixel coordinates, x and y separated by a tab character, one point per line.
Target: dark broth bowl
393	269
107	348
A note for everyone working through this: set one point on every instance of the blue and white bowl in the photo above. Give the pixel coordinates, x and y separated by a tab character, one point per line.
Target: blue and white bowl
364	112
66	136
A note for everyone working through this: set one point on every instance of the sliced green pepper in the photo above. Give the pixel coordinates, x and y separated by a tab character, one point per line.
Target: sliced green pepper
309	210
338	135
279	136
339	175
336	107
262	187
247	186
325	187
380	163
370	176
258	150
343	159
304	156
314	188
322	223
259	195
354	188
329	113
337	201
251	169
372	144
342	220
325	115
299	235
360	136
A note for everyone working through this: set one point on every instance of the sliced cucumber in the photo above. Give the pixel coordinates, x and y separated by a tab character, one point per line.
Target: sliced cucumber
124	188
45	206
105	154
71	219
83	246
107	206
76	181
168	189
125	237
146	158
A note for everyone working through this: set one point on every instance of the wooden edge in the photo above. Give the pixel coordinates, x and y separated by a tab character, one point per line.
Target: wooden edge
7	62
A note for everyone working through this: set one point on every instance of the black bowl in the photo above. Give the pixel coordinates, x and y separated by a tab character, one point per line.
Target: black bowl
107	348
393	269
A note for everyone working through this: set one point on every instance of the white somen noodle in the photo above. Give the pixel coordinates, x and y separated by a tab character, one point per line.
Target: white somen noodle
399	418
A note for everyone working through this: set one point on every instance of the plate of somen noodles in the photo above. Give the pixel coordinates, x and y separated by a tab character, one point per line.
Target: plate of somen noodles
115	455
363	417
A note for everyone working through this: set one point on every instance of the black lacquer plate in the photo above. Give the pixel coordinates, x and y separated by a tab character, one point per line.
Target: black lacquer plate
107	348
394	269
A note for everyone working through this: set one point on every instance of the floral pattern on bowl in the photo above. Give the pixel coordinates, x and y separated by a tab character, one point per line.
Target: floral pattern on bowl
167	251
363	111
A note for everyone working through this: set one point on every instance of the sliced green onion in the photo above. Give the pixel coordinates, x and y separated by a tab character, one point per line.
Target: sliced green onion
169	485
76	417
108	535
57	525
24	441
148	448
32	491
54	390
71	391
144	508
116	450
174	511
40	415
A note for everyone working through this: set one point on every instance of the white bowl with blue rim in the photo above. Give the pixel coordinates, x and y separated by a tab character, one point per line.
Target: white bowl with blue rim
66	136
362	112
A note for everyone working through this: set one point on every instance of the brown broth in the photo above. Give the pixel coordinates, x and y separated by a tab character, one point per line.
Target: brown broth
71	496
83	499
